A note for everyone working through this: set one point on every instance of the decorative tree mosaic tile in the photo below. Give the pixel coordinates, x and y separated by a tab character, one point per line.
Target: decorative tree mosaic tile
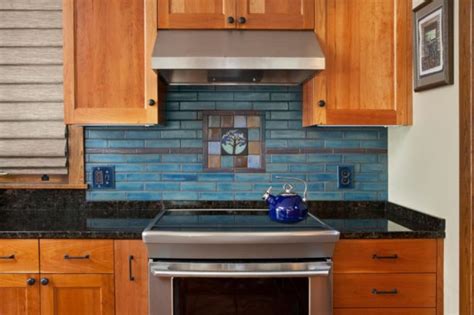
233	141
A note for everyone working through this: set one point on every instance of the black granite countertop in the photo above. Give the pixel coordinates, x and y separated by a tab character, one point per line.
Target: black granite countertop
61	214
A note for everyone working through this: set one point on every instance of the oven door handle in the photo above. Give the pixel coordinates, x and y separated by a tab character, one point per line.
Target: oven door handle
239	270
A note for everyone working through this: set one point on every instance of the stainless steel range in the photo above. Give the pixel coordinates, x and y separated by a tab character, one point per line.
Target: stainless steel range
205	262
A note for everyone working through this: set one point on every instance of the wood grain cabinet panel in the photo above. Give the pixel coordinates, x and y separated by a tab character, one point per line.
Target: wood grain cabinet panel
385	256
226	14
19	256
195	14
108	77
77	294
384	290
17	297
131	277
385	311
368	75
276	14
77	256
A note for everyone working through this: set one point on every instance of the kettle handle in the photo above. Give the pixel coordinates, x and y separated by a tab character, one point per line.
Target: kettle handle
305	193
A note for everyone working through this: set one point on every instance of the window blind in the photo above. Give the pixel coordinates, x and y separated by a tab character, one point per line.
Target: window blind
33	136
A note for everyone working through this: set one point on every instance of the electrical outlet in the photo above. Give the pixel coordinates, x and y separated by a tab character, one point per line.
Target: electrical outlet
103	177
345	176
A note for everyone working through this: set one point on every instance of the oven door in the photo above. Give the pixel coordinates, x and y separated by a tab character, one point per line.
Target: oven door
235	288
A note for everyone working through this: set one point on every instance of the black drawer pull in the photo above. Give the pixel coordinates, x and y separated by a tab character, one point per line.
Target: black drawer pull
76	257
382	292
12	256
394	256
130	273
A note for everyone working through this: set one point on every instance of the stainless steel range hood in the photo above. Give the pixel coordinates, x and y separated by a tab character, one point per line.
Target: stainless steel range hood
237	57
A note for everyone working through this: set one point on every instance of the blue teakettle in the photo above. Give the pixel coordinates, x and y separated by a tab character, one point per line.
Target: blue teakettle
288	206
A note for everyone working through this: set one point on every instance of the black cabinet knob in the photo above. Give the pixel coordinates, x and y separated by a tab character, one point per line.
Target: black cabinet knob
151	102
230	20
242	20
44	281
30	281
321	103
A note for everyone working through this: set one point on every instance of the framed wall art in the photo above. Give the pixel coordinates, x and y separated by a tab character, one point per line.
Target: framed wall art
418	4
433	44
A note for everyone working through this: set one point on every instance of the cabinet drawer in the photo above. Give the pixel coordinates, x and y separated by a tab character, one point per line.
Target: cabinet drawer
385	311
384	290
76	256
385	256
19	256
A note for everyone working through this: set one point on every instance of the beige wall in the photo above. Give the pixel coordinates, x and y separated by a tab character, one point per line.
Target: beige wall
424	168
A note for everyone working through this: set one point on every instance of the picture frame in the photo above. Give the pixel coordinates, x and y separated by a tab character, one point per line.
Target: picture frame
418	4
433	44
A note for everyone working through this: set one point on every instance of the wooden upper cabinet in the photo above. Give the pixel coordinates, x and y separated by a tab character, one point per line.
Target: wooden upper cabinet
275	14
223	14
195	14
368	76
107	56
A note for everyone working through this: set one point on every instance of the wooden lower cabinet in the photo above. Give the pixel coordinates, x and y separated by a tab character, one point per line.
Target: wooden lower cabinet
385	290
19	295
388	277
131	277
77	294
384	311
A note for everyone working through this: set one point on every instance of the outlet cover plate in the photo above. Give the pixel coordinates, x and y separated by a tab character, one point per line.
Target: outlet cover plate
103	177
345	177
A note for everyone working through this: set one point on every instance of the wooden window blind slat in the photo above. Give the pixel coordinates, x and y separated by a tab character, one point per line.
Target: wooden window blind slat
30	5
30	19
32	74
33	148
33	130
19	162
31	55
31	37
31	111
34	171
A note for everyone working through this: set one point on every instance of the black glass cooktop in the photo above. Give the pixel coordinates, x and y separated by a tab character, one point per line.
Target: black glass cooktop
230	220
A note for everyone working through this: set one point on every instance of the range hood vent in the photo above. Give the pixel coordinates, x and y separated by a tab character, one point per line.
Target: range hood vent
228	57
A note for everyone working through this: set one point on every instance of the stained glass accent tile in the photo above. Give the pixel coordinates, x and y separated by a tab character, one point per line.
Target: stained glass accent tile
214	161
233	141
214	148
254	134
255	147
227	161
214	121
240	122
215	134
227	121
253	161
253	121
240	161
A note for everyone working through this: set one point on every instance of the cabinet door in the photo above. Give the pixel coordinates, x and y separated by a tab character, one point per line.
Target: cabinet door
77	294
131	278
276	14
199	14
17	297
107	55
368	75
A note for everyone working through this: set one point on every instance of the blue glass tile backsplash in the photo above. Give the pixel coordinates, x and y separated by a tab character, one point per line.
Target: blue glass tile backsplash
166	162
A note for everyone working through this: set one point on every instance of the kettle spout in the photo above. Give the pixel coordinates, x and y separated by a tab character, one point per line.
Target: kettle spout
268	197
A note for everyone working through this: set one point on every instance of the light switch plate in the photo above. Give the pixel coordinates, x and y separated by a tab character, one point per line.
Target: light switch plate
103	177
